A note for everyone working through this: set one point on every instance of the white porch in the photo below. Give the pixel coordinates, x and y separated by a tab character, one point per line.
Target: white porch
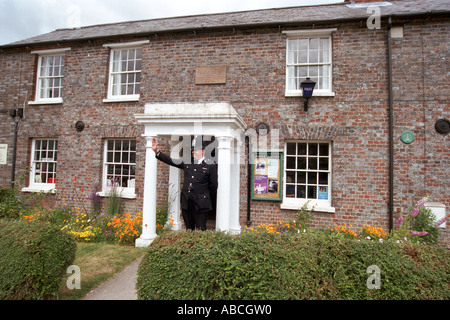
175	120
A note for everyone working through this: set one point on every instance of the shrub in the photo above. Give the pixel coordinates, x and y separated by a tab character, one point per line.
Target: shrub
10	205
33	259
210	265
418	226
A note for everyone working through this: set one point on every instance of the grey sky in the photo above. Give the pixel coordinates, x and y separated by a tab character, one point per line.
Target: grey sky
21	19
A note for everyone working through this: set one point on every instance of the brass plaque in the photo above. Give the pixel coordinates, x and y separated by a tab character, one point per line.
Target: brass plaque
211	75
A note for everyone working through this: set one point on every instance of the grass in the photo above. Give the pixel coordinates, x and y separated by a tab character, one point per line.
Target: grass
98	262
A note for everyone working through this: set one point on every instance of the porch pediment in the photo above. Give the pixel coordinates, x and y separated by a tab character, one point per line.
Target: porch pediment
166	118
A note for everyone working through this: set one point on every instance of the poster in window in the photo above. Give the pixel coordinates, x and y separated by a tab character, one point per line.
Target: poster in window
266	176
323	193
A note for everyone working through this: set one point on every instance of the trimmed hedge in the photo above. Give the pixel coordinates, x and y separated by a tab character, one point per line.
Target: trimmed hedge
33	259
213	265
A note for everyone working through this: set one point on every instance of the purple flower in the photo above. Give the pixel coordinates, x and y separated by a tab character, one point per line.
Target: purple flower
420	234
422	202
415	212
440	222
399	221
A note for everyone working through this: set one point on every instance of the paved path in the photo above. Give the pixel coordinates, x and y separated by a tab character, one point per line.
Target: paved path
121	287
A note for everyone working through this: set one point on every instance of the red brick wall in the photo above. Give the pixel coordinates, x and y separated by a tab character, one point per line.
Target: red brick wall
355	120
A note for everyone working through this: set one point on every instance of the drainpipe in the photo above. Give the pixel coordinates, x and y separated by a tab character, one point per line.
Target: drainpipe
249	180
16	115
391	127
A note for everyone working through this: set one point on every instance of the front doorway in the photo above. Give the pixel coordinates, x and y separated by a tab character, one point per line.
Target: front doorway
218	120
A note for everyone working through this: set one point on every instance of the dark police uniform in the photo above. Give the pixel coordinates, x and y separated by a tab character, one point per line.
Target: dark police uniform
198	193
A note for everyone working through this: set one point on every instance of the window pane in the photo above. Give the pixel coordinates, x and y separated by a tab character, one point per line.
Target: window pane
290	176
290	163
314	56
291	148
323	164
312	149
301	177
312	163
302	148
312	192
301	191
314	44
133	157
324	149
301	163
302	57
312	177
323	178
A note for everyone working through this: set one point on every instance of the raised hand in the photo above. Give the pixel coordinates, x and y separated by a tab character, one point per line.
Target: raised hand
154	145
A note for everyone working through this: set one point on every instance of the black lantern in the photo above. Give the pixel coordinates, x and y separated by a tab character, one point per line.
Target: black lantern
307	90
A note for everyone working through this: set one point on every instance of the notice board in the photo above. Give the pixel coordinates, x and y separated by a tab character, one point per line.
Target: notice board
267	169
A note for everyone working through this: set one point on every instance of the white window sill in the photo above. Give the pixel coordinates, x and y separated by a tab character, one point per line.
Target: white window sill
317	206
123	195
46	101
38	189
315	94
131	98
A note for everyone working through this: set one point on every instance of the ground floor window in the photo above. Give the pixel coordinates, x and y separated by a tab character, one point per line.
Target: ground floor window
44	160
119	170
307	174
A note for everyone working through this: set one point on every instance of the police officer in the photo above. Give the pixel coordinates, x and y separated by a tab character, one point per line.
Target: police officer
199	187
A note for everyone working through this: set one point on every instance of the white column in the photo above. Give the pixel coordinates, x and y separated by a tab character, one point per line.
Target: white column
149	209
235	226
224	188
174	189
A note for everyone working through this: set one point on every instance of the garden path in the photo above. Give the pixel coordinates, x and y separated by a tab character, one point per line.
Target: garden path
121	287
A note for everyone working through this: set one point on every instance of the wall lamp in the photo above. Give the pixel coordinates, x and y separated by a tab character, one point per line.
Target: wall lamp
307	87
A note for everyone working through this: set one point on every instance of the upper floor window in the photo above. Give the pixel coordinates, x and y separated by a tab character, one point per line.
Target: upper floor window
125	71
309	54
50	74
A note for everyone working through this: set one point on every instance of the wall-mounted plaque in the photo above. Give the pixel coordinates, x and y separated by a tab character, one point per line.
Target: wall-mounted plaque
407	137
211	75
3	153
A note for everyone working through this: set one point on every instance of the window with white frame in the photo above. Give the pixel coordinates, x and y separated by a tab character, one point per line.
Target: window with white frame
307	175
119	173
44	159
50	74
125	71
309	55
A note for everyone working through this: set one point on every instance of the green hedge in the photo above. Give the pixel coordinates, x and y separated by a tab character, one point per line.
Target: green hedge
210	265
33	259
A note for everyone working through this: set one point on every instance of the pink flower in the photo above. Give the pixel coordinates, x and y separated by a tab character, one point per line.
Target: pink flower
420	234
422	202
415	212
440	222
399	221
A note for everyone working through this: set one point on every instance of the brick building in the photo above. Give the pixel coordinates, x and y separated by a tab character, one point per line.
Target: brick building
373	141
